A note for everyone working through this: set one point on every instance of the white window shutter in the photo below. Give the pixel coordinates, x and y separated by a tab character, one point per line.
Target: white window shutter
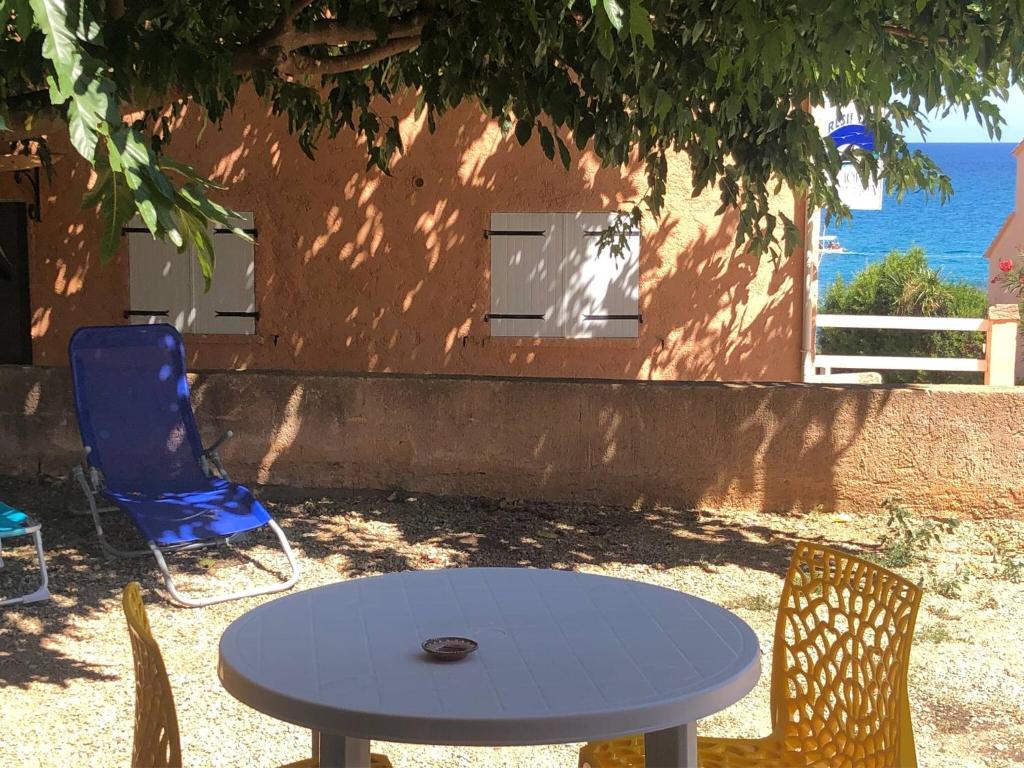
526	280
158	280
602	287
223	308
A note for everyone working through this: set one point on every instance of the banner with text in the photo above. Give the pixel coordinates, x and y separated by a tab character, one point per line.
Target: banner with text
846	128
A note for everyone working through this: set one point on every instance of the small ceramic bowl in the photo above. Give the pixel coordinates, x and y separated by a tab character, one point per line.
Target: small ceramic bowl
449	648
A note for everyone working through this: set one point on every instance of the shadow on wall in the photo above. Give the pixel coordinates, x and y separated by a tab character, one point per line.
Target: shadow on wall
357	271
758	446
69	286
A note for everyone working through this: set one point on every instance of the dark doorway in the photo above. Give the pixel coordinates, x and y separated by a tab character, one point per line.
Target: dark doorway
15	309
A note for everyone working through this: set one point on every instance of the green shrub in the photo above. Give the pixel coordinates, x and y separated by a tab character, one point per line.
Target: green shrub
904	284
934	633
1008	558
949	585
757	602
907	540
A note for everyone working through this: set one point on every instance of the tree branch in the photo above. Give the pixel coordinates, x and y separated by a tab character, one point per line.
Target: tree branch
906	34
280	48
300	64
286	21
333	33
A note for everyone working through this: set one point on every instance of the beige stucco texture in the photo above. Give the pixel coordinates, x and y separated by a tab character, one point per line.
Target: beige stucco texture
943	449
1009	244
358	271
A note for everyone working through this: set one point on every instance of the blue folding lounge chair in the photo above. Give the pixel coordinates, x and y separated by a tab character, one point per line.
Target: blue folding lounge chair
144	454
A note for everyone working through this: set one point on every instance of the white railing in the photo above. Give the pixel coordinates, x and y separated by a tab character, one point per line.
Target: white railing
893	322
1000	329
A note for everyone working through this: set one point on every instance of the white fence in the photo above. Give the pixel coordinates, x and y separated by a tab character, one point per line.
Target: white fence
1000	329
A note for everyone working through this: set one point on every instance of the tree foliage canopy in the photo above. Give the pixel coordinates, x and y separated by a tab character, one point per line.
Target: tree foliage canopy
725	81
904	284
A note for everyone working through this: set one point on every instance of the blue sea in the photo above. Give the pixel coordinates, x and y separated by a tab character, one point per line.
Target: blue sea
954	236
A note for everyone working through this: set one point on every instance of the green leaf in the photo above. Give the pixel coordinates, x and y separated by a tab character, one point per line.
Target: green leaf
114	198
531	14
606	44
192	196
79	78
84	26
144	205
662	105
167	220
152	191
22	13
117	211
616	13
82	130
640	23
191	174
60	44
198	236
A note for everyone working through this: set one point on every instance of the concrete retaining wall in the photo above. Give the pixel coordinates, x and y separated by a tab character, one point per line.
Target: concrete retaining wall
950	450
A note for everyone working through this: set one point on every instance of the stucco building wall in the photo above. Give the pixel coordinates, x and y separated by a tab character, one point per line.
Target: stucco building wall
356	271
942	449
1008	244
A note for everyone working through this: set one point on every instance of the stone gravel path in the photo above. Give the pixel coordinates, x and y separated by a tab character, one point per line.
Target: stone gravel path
66	685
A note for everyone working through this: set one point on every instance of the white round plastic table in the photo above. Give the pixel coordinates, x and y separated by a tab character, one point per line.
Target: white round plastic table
563	657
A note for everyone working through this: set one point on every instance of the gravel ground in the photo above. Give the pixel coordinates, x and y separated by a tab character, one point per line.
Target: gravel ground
65	665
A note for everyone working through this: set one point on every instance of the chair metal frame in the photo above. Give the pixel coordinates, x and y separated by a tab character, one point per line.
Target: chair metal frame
92	487
31	528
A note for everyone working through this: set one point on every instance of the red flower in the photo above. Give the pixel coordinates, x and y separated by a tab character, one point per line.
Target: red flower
1005	265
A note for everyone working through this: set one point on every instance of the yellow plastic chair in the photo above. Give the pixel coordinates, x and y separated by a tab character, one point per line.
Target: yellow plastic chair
839	675
157	743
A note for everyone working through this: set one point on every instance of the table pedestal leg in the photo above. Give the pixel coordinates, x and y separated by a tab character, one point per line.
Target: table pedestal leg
338	751
672	748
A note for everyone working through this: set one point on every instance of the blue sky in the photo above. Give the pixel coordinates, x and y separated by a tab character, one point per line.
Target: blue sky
954	128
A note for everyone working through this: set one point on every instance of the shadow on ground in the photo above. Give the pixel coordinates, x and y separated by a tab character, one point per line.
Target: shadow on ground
478	532
353	534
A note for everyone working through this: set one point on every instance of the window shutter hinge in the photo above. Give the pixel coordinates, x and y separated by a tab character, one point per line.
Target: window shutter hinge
510	316
254	315
489	233
145	313
638	318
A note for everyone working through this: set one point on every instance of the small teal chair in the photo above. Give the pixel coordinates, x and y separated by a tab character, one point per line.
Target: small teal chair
14	522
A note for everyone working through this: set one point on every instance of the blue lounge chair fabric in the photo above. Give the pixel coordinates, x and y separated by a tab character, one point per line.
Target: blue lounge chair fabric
14	522
144	451
220	510
134	411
